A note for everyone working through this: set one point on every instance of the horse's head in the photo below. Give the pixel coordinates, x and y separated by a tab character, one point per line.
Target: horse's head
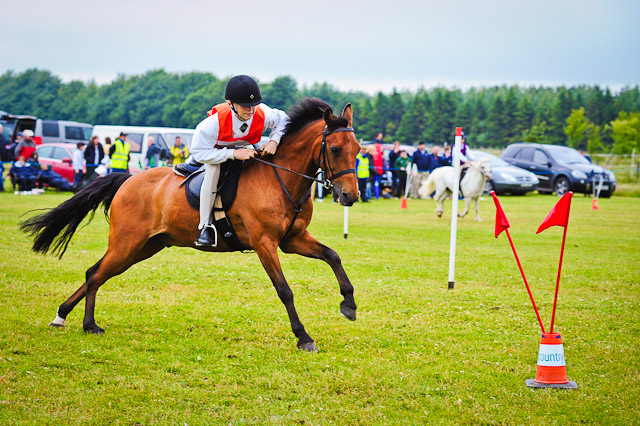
338	155
485	168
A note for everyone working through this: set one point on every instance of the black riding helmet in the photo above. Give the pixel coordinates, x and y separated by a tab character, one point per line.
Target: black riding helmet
243	90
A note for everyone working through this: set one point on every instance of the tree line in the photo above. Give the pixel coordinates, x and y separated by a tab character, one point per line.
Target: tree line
586	117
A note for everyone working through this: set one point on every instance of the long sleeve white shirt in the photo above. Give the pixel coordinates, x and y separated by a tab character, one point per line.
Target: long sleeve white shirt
203	145
78	160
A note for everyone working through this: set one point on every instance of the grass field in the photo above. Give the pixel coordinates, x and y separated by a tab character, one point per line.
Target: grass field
199	339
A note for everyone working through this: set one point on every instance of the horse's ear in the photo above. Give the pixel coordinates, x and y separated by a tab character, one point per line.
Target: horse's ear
328	115
347	112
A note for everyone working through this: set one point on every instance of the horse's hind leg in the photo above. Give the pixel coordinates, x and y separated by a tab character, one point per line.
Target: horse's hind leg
467	202
268	254
71	302
117	260
306	245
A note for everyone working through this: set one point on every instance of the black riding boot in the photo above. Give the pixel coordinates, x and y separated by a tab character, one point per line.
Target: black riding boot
208	237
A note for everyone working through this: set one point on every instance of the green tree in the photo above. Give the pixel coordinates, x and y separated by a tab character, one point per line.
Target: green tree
537	133
577	129
414	121
282	93
625	131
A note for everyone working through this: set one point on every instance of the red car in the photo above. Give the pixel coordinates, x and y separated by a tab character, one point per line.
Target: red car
58	155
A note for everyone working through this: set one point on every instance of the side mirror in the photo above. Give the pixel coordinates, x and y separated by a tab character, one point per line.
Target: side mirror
66	160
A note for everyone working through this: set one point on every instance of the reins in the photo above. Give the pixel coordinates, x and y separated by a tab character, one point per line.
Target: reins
326	183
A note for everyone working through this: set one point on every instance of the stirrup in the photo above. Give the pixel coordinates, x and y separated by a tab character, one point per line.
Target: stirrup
215	234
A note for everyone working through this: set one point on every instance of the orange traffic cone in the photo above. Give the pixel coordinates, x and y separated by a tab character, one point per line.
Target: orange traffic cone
594	205
403	203
552	369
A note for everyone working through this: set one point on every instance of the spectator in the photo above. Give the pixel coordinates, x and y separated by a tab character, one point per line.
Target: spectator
446	159
23	174
26	147
378	163
78	164
119	154
3	157
362	172
93	157
153	154
401	165
373	172
107	160
12	146
179	152
393	156
51	179
422	162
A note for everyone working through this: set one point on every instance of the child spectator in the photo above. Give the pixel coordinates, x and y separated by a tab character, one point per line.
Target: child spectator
24	175
78	165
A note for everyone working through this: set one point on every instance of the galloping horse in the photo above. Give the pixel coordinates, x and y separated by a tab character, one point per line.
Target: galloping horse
150	212
442	179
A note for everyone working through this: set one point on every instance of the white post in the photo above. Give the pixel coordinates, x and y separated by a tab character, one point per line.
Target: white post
633	160
454	206
320	189
346	222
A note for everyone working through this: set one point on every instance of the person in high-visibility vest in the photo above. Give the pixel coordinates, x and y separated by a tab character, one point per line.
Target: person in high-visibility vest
363	161
119	154
232	131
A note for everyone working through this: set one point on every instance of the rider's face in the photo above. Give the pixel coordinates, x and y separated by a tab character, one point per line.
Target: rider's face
244	112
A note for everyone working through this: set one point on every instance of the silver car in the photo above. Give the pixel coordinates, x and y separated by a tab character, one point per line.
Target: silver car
505	177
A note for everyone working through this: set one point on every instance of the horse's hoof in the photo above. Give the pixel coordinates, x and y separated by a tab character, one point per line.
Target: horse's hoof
439	214
94	329
53	324
348	313
308	347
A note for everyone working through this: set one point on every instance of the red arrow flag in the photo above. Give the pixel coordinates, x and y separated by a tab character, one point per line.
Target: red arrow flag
559	214
501	220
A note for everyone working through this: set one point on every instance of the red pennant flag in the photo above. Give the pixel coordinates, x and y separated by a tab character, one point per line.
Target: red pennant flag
501	220
559	214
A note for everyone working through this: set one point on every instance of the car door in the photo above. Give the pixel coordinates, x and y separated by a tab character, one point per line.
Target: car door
530	158
62	163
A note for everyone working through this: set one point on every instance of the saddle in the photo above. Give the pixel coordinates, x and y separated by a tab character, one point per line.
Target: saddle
230	170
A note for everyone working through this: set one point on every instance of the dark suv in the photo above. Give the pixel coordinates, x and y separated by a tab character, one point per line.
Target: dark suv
559	168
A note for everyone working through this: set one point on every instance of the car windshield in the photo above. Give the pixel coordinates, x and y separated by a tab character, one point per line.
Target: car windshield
7	128
493	160
566	155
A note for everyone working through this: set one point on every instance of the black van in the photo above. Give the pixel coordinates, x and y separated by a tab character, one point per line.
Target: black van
45	131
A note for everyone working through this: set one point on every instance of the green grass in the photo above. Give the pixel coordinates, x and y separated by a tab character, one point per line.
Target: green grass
202	339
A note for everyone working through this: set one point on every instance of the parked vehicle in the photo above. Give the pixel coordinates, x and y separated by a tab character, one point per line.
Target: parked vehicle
58	156
59	131
506	178
13	124
45	131
137	137
559	168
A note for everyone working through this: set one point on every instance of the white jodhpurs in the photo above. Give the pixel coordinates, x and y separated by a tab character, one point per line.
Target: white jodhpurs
207	193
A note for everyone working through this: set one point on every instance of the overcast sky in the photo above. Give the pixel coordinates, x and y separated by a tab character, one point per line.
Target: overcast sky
351	44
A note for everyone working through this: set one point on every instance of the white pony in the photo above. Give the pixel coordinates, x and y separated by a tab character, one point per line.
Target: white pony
472	185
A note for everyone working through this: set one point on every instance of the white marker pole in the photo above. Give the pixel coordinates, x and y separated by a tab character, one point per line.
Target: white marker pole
346	222
454	206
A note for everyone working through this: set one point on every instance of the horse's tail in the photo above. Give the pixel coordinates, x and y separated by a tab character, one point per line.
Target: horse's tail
428	187
54	228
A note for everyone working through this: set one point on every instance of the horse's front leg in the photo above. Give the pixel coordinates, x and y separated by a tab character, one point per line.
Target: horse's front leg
467	201
268	254
477	212
306	245
439	197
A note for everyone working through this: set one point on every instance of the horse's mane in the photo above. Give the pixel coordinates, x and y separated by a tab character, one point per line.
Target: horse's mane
309	110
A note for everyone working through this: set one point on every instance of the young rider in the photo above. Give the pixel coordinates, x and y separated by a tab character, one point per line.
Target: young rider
232	131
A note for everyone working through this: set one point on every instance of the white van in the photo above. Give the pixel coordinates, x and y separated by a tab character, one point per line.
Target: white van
137	137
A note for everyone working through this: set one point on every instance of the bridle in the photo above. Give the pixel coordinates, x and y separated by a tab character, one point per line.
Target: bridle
323	159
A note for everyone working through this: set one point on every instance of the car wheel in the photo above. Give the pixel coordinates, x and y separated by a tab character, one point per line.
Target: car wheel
561	186
488	187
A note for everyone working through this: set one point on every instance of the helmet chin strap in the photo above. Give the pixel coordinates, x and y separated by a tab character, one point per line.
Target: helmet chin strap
233	108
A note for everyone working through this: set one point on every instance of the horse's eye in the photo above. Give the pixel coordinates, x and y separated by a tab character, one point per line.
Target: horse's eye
335	150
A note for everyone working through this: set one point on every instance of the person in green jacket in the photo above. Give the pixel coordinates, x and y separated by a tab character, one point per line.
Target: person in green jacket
402	164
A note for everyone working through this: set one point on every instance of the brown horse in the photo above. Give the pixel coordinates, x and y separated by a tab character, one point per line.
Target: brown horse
150	212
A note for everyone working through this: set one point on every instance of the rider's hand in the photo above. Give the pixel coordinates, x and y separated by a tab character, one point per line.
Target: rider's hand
243	153
269	148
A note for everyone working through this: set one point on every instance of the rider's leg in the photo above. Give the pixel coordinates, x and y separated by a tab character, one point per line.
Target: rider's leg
207	197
